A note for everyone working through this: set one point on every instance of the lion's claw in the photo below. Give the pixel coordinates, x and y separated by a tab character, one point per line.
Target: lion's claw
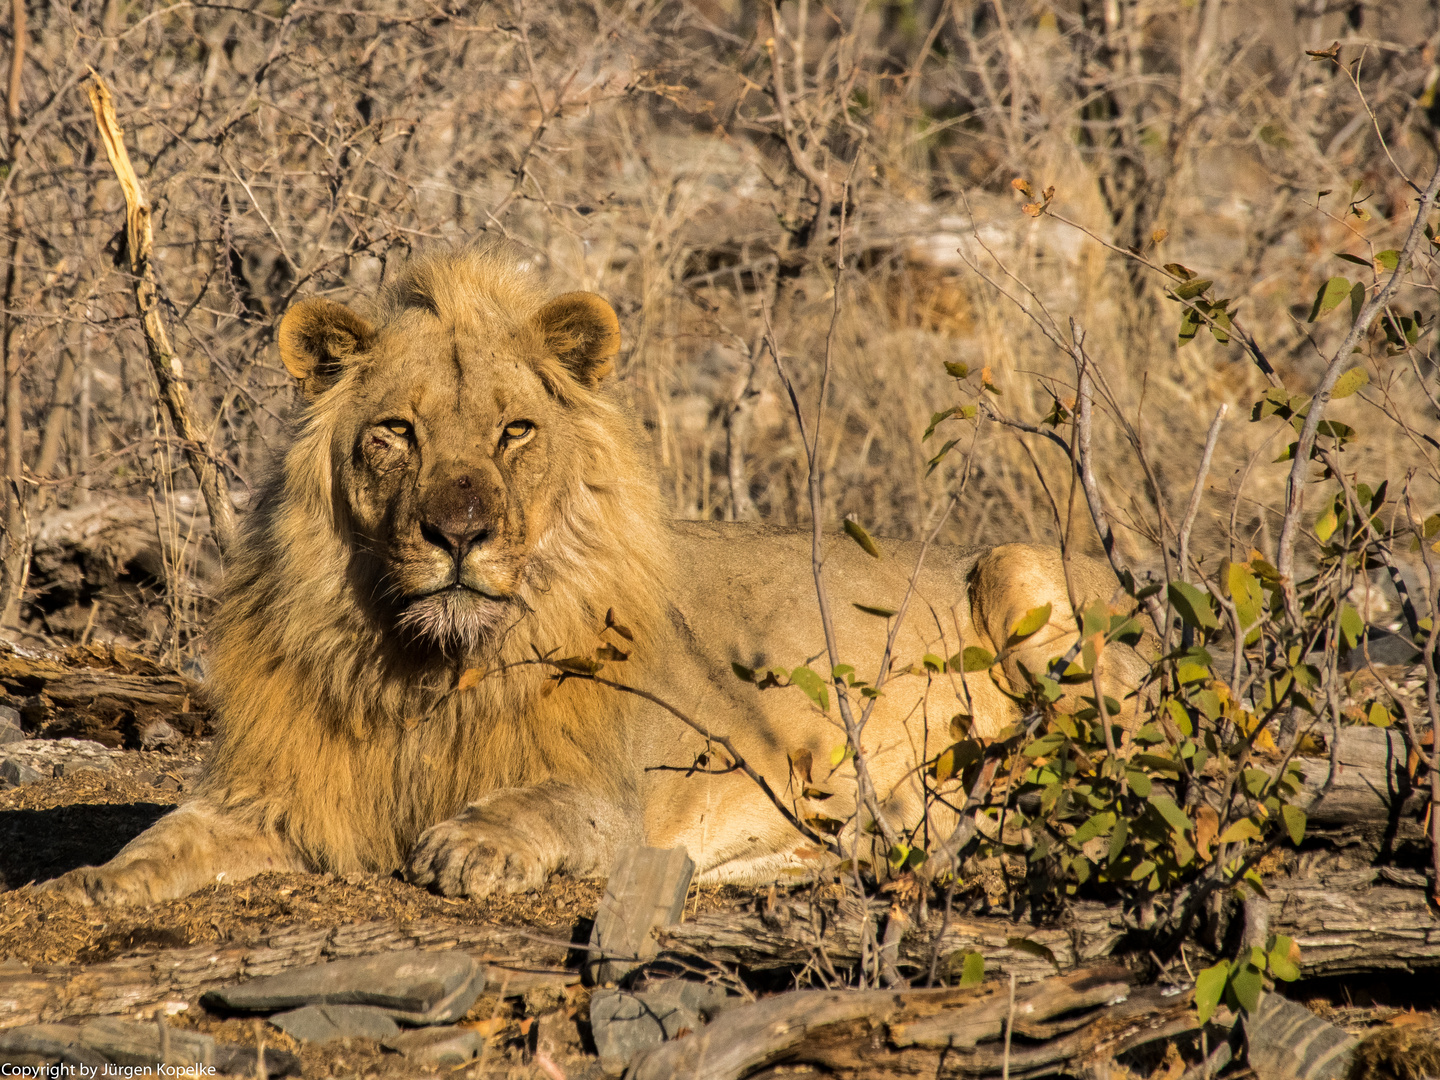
463	857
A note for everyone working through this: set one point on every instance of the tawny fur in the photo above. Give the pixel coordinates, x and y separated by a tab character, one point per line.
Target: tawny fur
336	733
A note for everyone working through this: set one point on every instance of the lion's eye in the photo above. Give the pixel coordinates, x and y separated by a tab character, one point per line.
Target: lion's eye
399	427
518	429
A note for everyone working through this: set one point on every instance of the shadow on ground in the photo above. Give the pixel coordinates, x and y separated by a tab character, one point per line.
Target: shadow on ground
36	845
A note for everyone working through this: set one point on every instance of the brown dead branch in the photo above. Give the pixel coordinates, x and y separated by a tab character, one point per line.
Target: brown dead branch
169	373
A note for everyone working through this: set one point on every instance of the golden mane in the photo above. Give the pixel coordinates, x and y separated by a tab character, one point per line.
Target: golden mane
318	696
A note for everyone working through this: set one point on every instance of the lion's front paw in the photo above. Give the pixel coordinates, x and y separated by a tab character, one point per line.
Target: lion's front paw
465	857
97	885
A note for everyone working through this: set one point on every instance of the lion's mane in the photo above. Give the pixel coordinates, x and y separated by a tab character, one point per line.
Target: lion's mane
321	697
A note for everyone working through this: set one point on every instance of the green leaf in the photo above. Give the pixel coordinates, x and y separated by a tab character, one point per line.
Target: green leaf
742	672
812	685
1244	829
972	973
1173	815
1193	605
1246	983
1209	986
1389	259
935	461
957	369
1096	825
1032	948
1193	288
1282	958
878	612
1350	382
1189	324
1329	297
974	658
1139	782
1184	273
937	419
856	532
1326	524
1356	259
1030	622
1352	627
1357	300
1294	819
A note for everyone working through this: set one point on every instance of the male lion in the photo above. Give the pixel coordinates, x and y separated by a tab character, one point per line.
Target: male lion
464	495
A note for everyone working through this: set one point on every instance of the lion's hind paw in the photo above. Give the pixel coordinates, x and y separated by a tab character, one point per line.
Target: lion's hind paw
463	857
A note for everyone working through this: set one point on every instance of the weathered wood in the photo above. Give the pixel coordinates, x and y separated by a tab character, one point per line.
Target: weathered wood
136	984
1344	924
946	1032
1371	786
99	692
646	889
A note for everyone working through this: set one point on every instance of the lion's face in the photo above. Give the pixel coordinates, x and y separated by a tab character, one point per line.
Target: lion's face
448	444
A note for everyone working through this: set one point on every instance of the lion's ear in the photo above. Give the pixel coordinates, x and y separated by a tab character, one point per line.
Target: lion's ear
583	332
317	337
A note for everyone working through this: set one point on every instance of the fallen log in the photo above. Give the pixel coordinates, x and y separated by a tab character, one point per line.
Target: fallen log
135	985
1344	923
100	692
950	1032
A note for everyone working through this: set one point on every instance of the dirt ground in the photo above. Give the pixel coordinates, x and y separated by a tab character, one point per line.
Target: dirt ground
54	824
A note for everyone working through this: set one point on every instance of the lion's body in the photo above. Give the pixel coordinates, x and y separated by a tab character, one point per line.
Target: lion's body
463	495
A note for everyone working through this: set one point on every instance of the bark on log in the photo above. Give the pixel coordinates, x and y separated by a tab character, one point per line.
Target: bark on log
136	984
98	692
1064	1020
1344	923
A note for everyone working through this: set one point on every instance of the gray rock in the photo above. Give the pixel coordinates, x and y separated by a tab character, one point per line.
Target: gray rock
46	1044
233	1060
76	766
158	735
10	729
646	889
623	1024
9	716
437	1046
146	1044
706	999
327	1023
17	772
414	987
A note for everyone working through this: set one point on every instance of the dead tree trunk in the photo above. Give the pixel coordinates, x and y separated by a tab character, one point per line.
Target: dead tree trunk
169	373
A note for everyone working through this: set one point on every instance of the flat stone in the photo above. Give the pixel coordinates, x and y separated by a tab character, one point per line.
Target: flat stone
234	1060
327	1023
141	1044
414	987
646	889
10	732
76	766
157	735
18	772
437	1046
46	1044
623	1024
706	999
9	716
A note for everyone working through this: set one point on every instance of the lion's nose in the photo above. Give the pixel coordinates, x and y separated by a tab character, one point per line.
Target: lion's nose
453	537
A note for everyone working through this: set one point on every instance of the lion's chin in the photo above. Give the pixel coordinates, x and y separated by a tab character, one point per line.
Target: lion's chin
456	619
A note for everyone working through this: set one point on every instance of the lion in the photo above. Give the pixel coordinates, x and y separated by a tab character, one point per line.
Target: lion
467	503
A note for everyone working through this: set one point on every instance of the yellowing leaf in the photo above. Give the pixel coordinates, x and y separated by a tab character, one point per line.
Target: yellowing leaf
1350	382
1329	297
856	532
1244	829
1209	985
1031	622
974	658
469	679
1294	819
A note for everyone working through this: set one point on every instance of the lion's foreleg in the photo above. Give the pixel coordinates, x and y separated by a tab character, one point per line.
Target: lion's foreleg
194	846
513	839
